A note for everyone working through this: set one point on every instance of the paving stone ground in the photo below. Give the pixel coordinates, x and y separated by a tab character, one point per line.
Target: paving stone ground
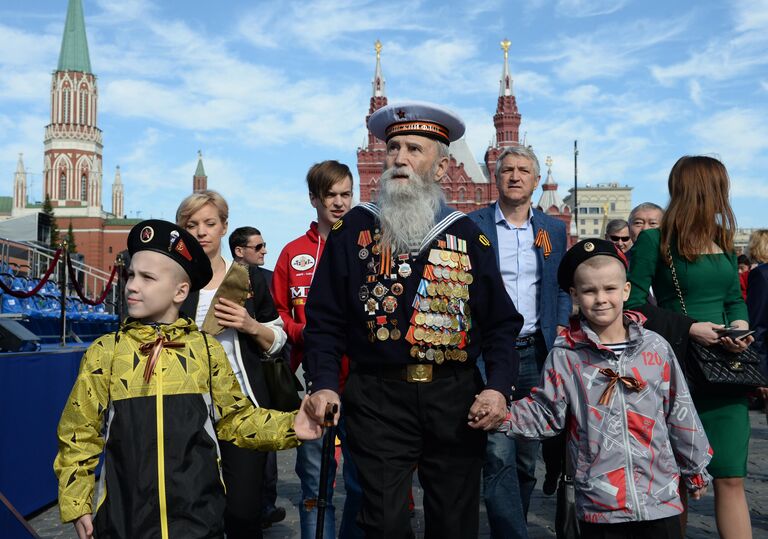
701	521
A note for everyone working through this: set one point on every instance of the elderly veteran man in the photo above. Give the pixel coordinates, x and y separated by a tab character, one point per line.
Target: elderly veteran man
528	245
411	292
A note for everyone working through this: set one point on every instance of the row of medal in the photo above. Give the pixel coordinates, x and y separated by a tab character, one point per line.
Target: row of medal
381	292
441	320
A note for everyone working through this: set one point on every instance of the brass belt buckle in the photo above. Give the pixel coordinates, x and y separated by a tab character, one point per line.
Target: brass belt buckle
418	373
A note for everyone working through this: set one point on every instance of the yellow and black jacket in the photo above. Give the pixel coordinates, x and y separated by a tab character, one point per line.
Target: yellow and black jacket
161	474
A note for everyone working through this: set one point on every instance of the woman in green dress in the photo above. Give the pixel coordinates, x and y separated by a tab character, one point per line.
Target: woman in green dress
696	235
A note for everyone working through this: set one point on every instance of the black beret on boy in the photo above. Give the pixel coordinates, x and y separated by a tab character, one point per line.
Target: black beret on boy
582	251
175	243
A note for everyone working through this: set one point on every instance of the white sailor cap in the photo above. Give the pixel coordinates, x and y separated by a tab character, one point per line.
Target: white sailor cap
416	118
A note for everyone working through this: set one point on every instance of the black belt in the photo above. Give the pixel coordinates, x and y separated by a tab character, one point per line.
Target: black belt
525	342
411	372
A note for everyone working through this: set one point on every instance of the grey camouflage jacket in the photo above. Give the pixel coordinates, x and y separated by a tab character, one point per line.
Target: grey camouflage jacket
630	452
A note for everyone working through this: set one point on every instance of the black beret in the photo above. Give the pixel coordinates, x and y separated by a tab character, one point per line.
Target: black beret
582	251
175	243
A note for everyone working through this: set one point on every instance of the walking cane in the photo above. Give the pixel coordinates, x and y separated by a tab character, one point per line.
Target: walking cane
325	463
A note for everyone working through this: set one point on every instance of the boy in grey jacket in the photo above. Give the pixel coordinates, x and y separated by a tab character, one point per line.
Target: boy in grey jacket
634	437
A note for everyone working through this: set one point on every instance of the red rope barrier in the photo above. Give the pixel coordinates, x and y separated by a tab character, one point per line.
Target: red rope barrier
36	289
79	291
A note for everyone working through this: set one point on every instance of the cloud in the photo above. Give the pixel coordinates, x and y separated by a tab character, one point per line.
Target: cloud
727	55
750	15
694	91
588	8
599	54
738	134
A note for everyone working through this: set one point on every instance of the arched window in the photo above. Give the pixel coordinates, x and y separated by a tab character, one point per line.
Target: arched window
83	99
462	195
63	185
67	103
373	195
448	193
83	187
478	195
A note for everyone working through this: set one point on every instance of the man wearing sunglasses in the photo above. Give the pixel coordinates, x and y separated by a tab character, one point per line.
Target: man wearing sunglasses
247	246
617	231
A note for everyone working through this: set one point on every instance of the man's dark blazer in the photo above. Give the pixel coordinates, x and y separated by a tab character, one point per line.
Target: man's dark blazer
554	304
757	303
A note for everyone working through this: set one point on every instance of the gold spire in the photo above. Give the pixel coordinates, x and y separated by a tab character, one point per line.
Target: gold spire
378	46
505	45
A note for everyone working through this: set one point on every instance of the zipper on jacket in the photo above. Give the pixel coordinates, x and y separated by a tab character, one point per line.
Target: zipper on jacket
629	479
162	502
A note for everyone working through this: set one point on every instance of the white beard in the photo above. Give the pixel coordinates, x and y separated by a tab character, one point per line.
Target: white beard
408	209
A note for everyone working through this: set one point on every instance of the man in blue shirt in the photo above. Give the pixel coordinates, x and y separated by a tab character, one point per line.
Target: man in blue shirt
529	245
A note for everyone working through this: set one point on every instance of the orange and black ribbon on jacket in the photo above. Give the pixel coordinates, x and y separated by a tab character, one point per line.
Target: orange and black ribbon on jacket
543	242
153	349
631	383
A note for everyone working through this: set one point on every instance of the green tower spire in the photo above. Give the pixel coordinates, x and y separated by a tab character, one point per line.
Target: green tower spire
200	172
74	44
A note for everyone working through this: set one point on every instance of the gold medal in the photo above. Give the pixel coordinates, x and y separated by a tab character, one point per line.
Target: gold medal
445	339
420	318
419	334
445	256
454	275
414	351
394	334
455	257
439	357
432	289
469	279
382	334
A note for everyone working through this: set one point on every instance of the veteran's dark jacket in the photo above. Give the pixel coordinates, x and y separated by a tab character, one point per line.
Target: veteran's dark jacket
338	323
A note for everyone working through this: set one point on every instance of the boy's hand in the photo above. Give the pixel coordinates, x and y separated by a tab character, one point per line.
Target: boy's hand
305	427
698	493
84	527
488	411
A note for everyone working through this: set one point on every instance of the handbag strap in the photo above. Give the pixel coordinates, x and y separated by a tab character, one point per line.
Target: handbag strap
675	281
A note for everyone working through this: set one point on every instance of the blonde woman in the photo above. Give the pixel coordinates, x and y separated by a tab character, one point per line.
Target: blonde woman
251	332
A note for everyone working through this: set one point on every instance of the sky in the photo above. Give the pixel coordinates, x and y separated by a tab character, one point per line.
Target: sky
266	89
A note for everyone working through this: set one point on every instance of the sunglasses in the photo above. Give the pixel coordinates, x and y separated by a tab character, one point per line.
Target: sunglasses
619	238
256	248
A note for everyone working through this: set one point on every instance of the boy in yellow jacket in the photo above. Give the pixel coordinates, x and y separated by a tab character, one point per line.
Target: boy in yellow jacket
153	398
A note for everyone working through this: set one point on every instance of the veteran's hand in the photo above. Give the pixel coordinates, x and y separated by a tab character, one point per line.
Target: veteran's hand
488	411
232	315
306	427
316	403
84	527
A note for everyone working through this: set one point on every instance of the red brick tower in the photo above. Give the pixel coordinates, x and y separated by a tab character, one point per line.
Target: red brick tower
506	120
370	160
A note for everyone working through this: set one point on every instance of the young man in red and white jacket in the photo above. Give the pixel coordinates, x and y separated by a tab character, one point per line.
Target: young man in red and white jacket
330	193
